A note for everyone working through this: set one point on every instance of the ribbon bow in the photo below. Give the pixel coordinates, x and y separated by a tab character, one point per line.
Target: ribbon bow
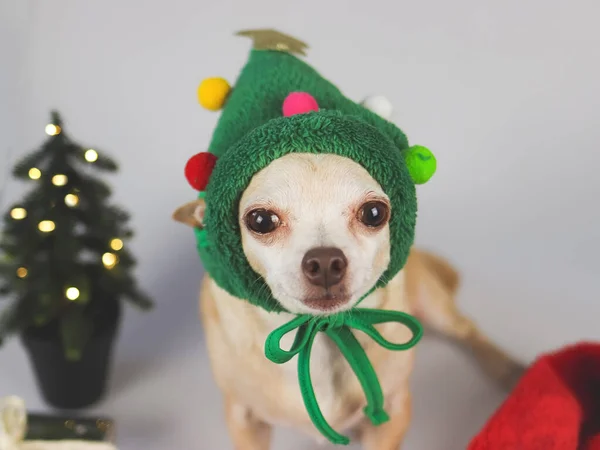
337	327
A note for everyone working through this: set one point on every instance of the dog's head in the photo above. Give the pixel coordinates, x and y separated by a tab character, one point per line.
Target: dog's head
315	228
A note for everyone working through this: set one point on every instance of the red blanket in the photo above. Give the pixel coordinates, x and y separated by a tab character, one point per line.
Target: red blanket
555	406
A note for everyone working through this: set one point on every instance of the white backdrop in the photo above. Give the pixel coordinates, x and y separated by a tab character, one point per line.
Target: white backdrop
504	92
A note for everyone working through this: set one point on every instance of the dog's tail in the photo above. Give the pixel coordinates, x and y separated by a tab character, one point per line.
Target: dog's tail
435	290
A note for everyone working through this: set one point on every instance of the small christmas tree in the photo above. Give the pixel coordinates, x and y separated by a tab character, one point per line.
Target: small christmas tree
62	252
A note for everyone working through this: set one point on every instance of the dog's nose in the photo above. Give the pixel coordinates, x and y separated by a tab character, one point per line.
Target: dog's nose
324	266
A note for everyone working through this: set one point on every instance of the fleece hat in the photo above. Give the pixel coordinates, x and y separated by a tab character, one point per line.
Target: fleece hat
281	105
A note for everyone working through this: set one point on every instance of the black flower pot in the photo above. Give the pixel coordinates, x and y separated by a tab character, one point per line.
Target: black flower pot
66	384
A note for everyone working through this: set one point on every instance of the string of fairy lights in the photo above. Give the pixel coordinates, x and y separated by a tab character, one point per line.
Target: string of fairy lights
110	258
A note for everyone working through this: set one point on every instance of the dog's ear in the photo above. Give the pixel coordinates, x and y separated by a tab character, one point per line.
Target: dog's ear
191	213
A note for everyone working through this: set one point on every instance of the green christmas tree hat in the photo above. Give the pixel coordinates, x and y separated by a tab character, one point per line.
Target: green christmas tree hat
280	105
254	129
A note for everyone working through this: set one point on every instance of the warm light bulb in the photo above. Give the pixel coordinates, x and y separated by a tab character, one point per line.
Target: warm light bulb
72	293
52	130
18	213
46	226
59	180
116	244
71	200
91	155
35	173
109	260
22	272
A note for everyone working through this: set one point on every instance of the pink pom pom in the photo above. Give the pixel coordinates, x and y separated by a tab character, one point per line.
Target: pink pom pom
299	103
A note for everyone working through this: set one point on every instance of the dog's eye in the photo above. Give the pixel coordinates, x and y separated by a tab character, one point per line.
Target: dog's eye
262	221
374	214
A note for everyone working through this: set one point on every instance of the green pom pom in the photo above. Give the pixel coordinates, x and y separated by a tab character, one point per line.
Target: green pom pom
421	163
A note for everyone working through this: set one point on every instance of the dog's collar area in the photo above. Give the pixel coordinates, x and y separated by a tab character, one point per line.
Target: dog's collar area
338	328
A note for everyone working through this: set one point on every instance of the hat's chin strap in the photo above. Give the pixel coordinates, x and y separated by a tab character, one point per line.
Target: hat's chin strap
338	328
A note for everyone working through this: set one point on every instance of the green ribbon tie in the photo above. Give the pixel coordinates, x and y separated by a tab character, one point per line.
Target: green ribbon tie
337	327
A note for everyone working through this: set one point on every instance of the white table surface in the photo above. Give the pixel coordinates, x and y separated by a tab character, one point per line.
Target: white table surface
162	395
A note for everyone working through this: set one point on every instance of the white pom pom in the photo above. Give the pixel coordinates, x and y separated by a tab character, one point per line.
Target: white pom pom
379	105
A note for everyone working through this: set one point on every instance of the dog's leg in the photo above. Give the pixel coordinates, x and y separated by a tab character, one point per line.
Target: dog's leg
389	435
432	284
246	430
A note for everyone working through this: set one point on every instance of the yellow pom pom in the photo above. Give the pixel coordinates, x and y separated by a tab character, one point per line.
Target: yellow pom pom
213	92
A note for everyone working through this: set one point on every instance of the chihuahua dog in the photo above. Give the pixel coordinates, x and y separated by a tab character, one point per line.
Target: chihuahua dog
319	246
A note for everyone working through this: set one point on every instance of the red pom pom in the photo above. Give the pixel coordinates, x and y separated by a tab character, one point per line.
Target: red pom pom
299	103
198	169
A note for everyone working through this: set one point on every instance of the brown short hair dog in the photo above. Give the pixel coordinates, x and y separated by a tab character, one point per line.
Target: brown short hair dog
319	201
